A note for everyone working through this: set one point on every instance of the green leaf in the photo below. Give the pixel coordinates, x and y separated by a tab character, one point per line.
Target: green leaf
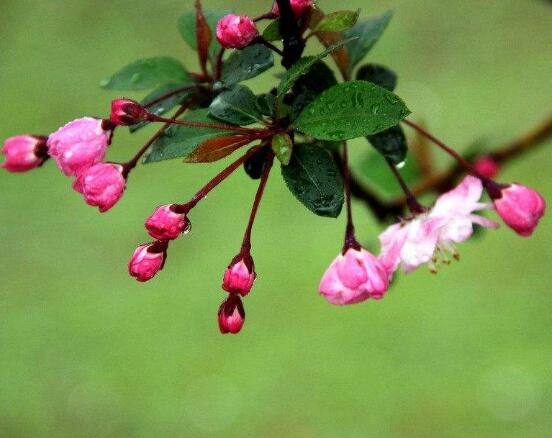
165	105
391	143
337	21
246	64
180	141
188	28
379	75
350	110
307	88
265	104
368	32
272	31
237	106
301	68
314	179
147	73
282	146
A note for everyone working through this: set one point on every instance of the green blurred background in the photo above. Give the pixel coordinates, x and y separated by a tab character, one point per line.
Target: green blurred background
86	351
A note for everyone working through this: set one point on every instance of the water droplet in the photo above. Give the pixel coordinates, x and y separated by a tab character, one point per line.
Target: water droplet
135	78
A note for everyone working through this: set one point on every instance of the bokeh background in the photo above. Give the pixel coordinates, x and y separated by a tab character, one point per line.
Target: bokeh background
86	351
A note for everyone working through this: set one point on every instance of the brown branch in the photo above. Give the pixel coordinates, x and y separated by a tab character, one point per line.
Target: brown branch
443	181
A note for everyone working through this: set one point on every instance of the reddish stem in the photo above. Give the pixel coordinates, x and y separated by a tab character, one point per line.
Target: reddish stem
268	16
350	239
169	94
191	124
131	164
413	205
469	167
219	64
246	245
225	173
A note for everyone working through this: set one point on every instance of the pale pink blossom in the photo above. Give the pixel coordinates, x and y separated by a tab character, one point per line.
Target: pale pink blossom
166	224
24	152
353	277
236	31
239	277
231	315
79	144
521	208
102	185
430	237
147	261
299	7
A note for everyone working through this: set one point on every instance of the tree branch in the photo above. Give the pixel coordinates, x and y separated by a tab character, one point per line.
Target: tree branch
443	181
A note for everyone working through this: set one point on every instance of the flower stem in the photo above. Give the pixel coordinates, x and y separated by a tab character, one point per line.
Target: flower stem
170	94
350	239
219	64
192	124
131	164
469	167
413	205
246	245
225	173
271	46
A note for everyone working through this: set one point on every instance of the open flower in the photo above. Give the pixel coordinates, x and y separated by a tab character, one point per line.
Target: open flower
353	277
431	236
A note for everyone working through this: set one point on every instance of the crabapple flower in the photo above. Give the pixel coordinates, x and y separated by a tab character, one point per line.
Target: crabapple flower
354	276
166	224
79	144
299	7
486	166
236	31
239	276
24	152
102	185
147	261
431	236
127	112
231	315
521	208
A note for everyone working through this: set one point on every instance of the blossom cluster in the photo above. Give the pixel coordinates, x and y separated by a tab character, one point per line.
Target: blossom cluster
425	236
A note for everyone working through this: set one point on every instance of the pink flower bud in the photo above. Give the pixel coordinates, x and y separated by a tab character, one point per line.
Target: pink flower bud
231	315
126	112
487	166
236	31
24	152
165	224
520	208
102	185
353	277
239	276
79	144
299	7
147	261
